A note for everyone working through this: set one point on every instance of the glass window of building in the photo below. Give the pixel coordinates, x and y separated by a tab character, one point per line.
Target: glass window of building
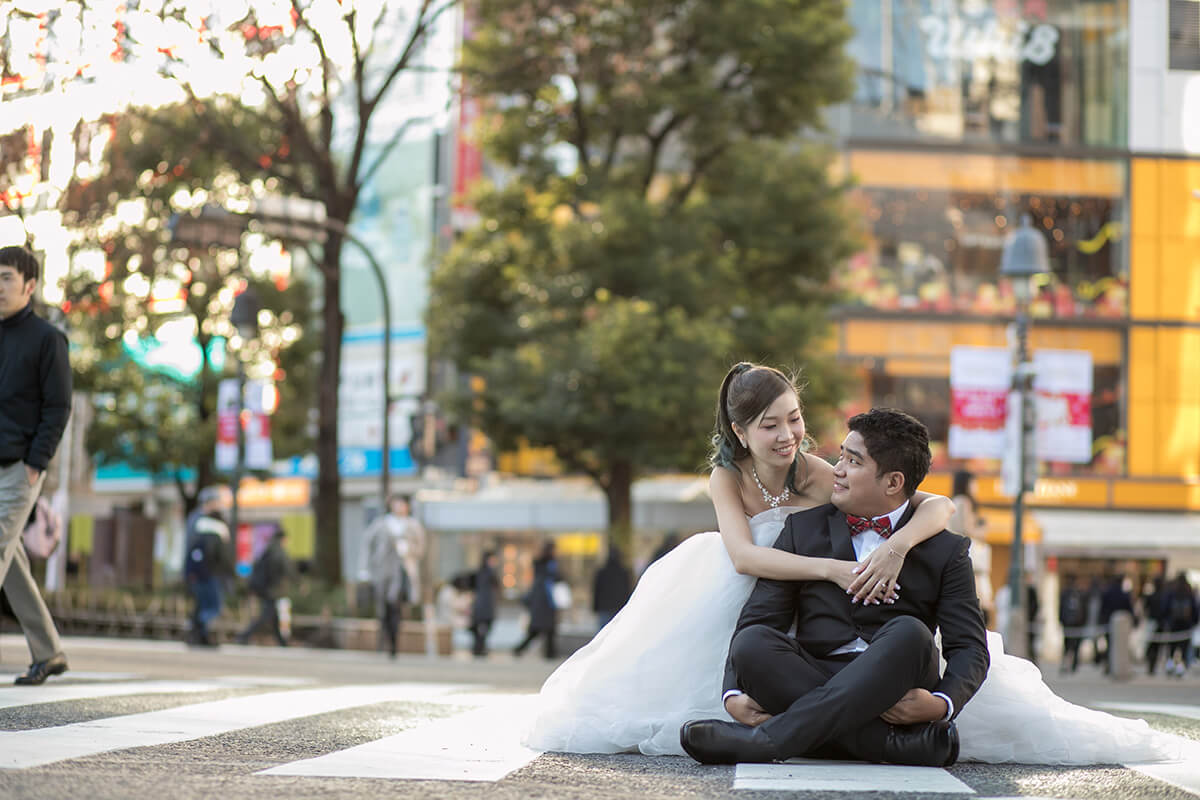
1184	36
1051	71
935	226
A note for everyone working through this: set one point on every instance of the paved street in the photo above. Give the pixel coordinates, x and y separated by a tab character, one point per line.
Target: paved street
157	719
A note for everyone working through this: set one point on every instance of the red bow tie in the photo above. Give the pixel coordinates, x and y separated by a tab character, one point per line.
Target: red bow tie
882	525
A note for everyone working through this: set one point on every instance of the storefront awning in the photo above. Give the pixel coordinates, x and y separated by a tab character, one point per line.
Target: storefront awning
664	503
1117	534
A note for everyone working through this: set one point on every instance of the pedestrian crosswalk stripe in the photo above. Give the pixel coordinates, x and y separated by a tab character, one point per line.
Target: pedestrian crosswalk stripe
59	692
478	745
1170	709
845	776
1183	773
30	748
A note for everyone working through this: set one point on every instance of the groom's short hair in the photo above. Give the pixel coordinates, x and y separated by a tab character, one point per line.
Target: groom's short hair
897	441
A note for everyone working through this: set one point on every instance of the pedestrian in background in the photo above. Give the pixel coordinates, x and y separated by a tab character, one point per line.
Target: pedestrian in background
967	521
1179	612
35	401
1156	626
543	615
1095	599
611	587
394	545
483	605
209	567
209	500
1072	615
266	577
1032	609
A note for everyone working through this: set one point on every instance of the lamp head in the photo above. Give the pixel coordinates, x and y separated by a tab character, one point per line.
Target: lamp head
1025	253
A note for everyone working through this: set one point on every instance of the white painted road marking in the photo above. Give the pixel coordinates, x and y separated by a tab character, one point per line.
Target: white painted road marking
59	692
846	776
1184	773
1171	709
20	749
479	745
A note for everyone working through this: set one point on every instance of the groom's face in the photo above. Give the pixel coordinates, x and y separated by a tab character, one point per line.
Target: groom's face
857	487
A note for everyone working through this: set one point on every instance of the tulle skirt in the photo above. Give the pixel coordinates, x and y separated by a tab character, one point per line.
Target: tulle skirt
660	663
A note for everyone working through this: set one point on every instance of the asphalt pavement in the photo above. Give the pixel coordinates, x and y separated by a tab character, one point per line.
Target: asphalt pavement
151	719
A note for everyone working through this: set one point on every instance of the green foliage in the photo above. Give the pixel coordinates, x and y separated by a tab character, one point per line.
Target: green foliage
661	219
160	420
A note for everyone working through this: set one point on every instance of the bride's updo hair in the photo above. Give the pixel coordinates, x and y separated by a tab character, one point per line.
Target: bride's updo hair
746	392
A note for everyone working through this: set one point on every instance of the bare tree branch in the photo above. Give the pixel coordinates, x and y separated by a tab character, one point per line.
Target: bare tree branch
326	112
424	21
701	163
580	140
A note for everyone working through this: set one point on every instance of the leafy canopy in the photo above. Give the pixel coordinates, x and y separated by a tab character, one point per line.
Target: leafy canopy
657	217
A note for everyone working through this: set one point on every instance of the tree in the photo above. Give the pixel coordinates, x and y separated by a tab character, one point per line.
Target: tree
659	218
137	288
301	116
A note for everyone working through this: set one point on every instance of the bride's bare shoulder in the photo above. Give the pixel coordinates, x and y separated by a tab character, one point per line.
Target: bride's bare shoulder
725	489
817	487
724	477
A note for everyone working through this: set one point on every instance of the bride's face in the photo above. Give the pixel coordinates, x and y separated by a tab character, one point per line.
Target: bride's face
774	437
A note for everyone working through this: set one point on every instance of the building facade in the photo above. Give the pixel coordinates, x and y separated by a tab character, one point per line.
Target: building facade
1086	116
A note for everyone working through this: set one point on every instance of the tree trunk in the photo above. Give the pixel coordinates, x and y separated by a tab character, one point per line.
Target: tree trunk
328	556
620	505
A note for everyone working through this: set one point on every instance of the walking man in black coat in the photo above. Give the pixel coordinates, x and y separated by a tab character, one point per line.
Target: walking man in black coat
855	681
35	401
483	605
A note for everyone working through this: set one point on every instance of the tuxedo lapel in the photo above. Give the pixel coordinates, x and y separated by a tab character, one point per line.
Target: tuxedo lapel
906	516
839	538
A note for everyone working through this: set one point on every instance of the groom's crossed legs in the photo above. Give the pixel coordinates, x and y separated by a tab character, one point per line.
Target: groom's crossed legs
832	706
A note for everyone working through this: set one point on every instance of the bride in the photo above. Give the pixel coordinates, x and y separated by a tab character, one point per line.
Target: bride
659	663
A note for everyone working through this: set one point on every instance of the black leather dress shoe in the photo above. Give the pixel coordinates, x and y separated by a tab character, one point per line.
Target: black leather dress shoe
40	670
932	744
715	741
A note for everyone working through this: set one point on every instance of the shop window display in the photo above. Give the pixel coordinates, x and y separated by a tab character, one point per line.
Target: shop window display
929	398
938	251
990	70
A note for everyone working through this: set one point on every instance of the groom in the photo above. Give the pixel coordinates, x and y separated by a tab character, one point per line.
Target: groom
855	681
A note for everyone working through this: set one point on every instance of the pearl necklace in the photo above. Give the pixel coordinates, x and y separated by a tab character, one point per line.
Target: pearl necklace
772	500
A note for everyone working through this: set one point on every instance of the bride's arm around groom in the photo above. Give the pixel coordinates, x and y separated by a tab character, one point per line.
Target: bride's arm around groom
849	670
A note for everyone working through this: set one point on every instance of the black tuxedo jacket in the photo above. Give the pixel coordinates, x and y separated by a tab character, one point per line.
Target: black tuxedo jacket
937	587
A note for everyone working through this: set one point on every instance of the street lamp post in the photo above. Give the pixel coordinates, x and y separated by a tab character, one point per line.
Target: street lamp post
300	219
1025	255
245	318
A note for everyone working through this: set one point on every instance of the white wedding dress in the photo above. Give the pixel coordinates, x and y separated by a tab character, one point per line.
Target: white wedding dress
661	661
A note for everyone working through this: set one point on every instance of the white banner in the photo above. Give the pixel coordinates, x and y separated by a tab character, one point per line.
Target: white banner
1063	388
258	451
980	378
227	421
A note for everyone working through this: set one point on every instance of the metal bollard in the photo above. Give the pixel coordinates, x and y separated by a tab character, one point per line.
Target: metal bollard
1120	655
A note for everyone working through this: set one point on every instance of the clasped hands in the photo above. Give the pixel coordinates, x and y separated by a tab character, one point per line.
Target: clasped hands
917	705
873	580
